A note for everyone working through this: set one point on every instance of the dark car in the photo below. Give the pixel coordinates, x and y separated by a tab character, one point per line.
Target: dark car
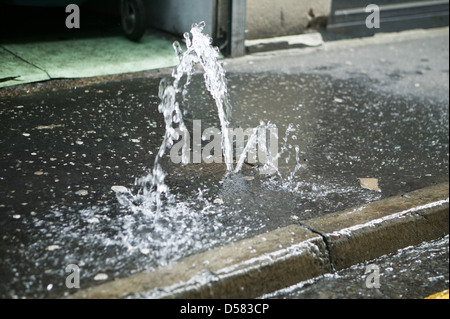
133	13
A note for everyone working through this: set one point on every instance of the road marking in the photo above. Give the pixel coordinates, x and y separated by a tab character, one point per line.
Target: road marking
440	295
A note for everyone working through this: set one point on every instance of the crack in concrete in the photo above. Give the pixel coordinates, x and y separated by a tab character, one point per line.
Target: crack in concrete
327	245
26	61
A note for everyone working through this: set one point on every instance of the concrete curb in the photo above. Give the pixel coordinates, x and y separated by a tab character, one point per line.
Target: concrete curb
384	226
244	269
280	258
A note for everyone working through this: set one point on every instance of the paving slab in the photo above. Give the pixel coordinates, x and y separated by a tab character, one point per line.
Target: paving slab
16	71
84	57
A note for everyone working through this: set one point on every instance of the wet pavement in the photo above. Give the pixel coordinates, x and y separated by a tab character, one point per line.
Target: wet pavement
64	150
411	273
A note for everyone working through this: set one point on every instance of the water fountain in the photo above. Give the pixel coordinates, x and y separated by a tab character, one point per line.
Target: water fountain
199	51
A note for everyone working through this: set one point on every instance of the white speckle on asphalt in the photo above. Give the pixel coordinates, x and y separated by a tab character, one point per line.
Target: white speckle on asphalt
100	277
82	192
119	189
52	247
93	220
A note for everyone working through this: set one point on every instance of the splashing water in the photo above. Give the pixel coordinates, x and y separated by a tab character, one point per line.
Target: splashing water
152	188
199	51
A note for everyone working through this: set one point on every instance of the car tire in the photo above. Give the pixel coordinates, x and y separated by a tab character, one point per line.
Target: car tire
133	18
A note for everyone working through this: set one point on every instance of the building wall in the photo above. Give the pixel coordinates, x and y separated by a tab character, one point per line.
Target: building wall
177	16
271	18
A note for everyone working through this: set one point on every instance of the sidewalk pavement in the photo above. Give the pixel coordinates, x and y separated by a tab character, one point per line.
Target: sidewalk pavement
82	58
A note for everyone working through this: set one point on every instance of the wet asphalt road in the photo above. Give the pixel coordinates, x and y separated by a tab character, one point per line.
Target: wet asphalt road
63	150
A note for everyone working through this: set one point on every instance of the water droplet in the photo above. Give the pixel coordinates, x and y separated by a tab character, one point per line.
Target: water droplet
82	192
100	277
93	220
119	189
53	247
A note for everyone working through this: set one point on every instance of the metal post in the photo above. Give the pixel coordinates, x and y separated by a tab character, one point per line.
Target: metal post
237	25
